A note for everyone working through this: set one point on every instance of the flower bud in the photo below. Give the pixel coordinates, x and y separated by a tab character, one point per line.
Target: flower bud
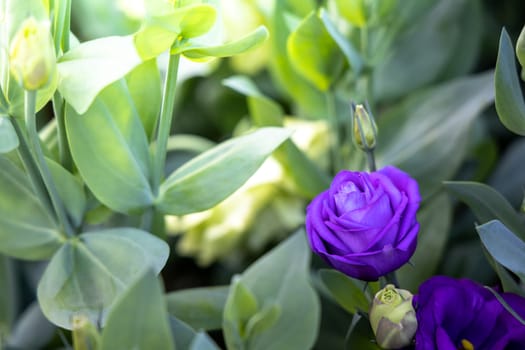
520	52
393	318
31	56
84	333
364	128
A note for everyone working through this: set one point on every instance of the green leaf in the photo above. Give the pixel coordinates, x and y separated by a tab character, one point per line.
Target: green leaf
202	342
201	308
345	291
509	97
90	272
280	283
240	307
506	248
353	11
70	190
87	69
188	338
28	231
306	175
196	51
150	330
352	56
110	149
8	138
320	63
427	134
144	86
487	204
8	295
435	218
215	174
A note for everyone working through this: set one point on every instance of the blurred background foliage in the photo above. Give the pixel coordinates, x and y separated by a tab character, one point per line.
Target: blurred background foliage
423	66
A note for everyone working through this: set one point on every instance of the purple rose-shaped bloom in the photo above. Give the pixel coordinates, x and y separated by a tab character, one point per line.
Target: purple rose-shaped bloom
461	314
365	224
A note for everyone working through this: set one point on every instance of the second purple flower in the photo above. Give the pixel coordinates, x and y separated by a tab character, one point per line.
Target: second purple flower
365	224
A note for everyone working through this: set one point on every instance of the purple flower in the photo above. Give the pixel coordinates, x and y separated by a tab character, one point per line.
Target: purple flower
461	314
365	224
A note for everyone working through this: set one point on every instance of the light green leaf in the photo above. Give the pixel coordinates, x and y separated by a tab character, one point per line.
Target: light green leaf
88	68
487	204
8	295
110	149
202	342
320	63
28	231
427	134
215	174
346	291
70	190
353	11
435	220
506	248
139	320
188	338
196	51
241	306
90	272
509	97
280	281
144	86
201	308
352	56
8	138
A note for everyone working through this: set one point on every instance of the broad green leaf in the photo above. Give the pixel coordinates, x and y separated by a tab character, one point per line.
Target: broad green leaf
110	149
320	63
487	204
201	308
8	295
71	191
214	175
509	97
196	51
241	306
144	86
90	272
28	231
506	248
139	320
187	338
427	134
435	219
507	280
352	56
345	291
8	138
280	282
87	69
309	179
202	342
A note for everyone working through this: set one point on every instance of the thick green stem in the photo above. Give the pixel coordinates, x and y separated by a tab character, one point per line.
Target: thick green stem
34	142
63	148
164	122
335	146
371	160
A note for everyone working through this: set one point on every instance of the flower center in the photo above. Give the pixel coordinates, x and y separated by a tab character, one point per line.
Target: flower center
466	345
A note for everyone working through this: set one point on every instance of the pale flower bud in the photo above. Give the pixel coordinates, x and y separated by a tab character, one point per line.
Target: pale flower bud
32	57
393	318
520	52
364	128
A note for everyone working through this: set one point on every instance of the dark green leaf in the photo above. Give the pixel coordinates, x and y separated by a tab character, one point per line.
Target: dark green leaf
346	292
509	98
506	248
90	272
487	204
201	308
214	175
139	320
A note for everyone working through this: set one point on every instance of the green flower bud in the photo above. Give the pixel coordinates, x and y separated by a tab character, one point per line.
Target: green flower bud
364	128
84	333
393	318
31	55
520	52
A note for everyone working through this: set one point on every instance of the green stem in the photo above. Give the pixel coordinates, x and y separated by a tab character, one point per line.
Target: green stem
371	160
391	278
164	122
63	147
34	142
355	320
31	168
